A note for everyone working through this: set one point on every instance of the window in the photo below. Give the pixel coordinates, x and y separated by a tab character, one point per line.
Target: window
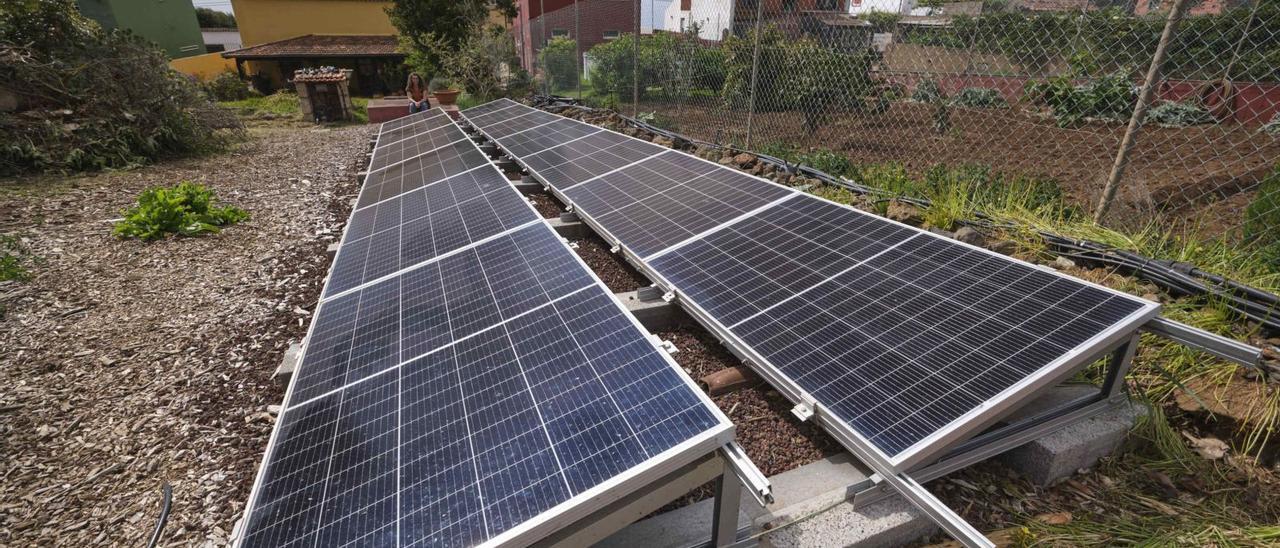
559	33
611	34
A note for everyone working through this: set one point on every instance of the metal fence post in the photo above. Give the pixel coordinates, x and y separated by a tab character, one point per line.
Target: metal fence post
1139	111
635	63
542	30
577	48
755	71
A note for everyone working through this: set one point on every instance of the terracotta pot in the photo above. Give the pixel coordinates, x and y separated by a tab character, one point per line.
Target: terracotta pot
446	96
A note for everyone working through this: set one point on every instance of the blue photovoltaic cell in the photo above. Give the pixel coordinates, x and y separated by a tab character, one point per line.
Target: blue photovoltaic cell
537	140
578	161
390	321
505	125
418	172
416	145
435	120
425	223
669	198
392	125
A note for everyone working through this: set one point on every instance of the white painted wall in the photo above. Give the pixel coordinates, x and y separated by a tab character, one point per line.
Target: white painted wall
904	7
715	16
229	39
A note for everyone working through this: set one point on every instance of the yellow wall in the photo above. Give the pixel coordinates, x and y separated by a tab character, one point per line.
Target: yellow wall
263	21
204	67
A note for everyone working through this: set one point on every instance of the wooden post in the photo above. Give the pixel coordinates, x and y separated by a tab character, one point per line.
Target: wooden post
1139	111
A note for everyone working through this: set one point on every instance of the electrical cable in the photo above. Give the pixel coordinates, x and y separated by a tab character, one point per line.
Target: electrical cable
1178	278
165	505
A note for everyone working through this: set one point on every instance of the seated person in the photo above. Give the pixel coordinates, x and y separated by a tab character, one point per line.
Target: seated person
417	92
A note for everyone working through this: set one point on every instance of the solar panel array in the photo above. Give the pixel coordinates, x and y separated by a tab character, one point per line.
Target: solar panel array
466	377
903	335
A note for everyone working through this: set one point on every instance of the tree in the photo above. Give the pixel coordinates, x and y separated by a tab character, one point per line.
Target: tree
214	19
432	29
508	8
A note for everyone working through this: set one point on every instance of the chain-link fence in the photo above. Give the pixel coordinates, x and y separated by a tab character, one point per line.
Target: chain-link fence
1035	92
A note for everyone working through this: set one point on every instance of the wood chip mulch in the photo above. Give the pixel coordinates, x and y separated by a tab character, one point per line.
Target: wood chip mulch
127	364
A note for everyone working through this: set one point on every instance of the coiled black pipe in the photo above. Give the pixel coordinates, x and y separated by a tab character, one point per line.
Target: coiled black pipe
1178	278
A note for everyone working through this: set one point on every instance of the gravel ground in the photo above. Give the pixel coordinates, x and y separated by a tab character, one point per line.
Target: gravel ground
617	274
127	364
546	205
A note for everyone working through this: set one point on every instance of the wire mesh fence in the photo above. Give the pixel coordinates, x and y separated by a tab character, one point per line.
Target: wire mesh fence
1038	93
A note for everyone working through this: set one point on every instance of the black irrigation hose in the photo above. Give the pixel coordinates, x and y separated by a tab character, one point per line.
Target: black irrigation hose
165	505
1178	278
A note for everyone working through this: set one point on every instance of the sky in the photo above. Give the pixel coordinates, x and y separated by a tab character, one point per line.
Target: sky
219	5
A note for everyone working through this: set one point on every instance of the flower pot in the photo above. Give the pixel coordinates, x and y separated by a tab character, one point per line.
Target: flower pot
446	96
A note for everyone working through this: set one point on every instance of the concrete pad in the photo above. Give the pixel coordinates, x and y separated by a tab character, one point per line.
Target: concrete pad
889	522
1080	445
287	365
573	230
654	314
679	528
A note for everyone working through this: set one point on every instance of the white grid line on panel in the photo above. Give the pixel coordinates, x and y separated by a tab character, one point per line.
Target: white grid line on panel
612	171
432	260
442	347
829	278
436	182
717	228
372	172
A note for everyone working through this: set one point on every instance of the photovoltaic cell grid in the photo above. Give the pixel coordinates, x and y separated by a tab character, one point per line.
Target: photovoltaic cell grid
669	198
425	223
434	120
900	333
459	398
433	166
408	120
414	145
575	162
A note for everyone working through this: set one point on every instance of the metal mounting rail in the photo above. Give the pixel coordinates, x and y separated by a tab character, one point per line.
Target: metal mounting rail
1199	339
751	476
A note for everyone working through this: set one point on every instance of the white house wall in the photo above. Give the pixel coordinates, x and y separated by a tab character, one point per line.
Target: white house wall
714	16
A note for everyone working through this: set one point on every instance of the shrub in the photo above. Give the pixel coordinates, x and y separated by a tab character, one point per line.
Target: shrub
1110	97
559	59
228	87
978	98
186	209
478	65
927	91
91	99
1177	114
1272	127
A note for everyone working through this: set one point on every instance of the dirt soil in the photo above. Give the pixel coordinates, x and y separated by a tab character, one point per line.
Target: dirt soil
1182	171
127	365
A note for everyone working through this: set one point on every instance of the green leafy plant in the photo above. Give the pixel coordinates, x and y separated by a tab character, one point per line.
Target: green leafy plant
187	209
1272	127
13	256
1109	97
978	98
927	91
229	87
1178	114
559	59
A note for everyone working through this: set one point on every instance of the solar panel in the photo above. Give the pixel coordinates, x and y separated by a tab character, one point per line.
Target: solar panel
488	394
412	118
424	223
414	146
908	339
581	160
437	120
423	170
669	198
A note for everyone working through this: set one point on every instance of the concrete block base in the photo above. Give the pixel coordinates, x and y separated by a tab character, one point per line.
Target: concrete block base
654	314
1060	454
573	230
290	362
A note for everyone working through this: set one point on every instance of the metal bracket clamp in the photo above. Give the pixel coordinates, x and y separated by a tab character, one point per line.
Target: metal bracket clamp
1217	345
616	248
752	478
802	411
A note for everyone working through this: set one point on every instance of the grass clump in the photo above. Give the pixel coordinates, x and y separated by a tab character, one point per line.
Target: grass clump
13	259
284	105
1262	219
979	98
187	209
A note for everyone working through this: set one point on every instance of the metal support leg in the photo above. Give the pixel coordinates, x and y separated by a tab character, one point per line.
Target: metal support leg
724	524
1121	360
